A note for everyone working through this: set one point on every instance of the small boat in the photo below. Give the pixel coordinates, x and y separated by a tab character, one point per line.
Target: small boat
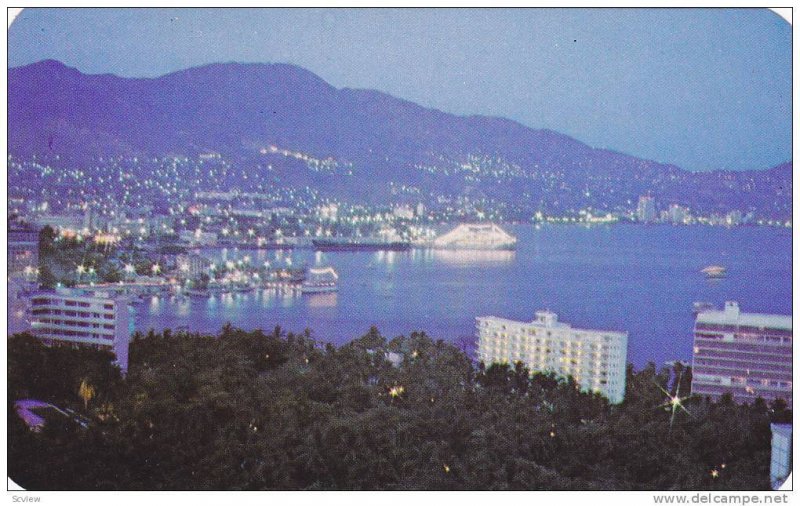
715	271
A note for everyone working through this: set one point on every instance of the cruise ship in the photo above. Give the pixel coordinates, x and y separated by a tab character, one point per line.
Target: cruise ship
476	236
320	280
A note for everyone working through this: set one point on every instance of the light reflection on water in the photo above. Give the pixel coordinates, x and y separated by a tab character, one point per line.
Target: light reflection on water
184	307
470	258
643	280
322	300
638	279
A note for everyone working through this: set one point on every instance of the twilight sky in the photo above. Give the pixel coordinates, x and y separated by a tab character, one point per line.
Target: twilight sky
703	89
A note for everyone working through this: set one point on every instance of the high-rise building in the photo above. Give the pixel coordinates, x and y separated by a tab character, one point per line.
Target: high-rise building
82	318
748	355
17	304
733	218
646	211
596	359
192	265
23	250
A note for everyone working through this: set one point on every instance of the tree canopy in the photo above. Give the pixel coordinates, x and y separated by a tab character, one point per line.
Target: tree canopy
278	411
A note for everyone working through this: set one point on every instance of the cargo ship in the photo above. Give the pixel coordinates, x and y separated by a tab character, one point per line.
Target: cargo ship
360	244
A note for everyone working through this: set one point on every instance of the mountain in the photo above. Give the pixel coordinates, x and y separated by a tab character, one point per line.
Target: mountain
367	142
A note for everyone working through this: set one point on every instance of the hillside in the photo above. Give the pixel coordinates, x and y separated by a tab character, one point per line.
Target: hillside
360	140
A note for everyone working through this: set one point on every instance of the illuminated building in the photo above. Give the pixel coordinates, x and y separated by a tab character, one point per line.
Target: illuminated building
404	212
73	222
193	265
17	304
82	318
646	211
596	359
23	250
677	215
328	212
748	355
198	237
733	218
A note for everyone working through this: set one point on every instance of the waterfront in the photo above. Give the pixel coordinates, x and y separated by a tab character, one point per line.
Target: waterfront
640	279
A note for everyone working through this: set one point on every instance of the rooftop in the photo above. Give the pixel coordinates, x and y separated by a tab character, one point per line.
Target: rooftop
731	315
74	292
545	319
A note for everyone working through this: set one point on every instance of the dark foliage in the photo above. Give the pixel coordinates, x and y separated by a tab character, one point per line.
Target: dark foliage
255	411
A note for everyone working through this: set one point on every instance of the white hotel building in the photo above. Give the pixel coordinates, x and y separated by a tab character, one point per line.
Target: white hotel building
596	359
82	318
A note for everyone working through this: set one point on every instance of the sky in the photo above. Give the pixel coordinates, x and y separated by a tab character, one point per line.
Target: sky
701	88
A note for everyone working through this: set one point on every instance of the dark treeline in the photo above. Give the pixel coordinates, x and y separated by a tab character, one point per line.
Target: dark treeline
251	410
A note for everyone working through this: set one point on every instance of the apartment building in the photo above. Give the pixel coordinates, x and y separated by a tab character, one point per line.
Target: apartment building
596	359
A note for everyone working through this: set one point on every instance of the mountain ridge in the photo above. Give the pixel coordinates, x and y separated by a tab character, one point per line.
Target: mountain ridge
242	109
52	64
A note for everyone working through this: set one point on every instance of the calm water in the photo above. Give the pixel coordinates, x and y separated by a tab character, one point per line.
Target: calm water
640	279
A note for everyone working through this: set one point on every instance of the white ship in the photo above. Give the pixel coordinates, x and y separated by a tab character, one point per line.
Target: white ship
476	236
715	271
320	280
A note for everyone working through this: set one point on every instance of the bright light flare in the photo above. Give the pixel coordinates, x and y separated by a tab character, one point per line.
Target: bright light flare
674	403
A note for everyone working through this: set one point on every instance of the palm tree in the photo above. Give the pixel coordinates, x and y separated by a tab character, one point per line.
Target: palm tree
86	392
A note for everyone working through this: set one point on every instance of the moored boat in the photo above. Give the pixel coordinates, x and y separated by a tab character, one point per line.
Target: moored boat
715	271
320	280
